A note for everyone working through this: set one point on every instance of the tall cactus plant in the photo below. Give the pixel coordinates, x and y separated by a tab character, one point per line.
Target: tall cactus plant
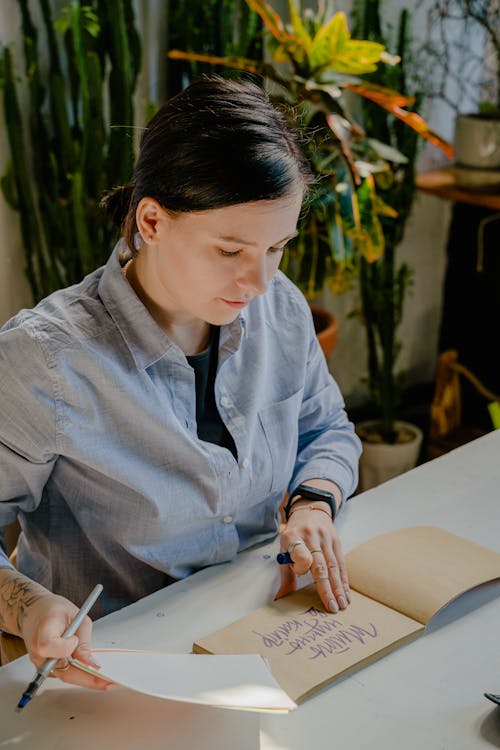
383	284
76	151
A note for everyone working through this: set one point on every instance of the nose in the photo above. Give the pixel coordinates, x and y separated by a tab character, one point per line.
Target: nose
255	277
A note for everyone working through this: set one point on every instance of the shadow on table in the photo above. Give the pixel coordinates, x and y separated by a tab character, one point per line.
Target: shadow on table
490	726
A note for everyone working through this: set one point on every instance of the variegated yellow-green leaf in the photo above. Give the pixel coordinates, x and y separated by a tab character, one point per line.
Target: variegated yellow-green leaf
383	209
368	53
300	30
329	40
369	241
281	54
289	52
342	279
350	66
357	58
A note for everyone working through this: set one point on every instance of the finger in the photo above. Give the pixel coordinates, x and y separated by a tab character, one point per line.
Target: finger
75	676
335	581
321	577
288	581
83	651
339	566
299	553
292	543
344	577
47	646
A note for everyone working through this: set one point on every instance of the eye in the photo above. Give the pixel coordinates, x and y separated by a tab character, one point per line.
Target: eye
229	253
276	249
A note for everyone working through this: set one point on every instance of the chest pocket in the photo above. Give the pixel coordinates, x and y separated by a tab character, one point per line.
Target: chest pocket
280	423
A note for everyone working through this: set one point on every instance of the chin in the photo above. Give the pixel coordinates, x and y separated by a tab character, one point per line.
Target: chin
224	320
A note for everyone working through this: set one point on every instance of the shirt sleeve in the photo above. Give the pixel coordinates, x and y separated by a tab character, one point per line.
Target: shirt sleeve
27	425
328	447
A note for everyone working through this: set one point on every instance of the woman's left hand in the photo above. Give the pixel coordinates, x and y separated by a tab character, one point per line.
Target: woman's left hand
314	545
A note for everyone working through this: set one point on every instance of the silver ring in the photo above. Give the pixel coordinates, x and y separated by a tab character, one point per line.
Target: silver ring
312	551
63	668
323	578
292	545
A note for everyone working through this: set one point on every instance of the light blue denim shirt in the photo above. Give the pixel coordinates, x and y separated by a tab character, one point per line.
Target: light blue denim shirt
99	455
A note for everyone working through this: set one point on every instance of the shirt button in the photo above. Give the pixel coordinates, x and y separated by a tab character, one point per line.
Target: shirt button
245	463
225	402
228	519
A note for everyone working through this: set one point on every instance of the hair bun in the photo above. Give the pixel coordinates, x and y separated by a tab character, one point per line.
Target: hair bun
116	203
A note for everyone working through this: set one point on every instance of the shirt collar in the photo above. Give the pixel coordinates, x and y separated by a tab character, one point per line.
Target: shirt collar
143	336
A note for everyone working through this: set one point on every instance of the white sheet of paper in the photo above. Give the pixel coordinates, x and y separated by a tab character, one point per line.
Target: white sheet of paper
242	682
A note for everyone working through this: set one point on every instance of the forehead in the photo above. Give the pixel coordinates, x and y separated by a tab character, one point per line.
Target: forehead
247	220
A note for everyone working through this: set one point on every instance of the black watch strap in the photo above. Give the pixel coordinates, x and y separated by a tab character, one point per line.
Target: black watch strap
306	492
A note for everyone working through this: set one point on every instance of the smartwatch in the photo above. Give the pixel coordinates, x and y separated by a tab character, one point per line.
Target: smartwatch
306	492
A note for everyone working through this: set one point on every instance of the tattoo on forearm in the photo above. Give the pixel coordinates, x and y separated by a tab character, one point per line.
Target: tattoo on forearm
16	596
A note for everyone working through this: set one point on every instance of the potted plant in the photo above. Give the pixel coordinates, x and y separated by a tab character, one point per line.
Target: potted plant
317	71
477	133
390	446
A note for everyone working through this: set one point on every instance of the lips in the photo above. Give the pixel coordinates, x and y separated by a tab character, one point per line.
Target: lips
236	303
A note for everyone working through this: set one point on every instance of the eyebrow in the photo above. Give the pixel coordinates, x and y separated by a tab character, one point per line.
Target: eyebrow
241	241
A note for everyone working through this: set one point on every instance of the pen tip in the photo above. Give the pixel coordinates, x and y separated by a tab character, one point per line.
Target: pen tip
22	703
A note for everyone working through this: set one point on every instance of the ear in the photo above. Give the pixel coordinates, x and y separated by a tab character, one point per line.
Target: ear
148	216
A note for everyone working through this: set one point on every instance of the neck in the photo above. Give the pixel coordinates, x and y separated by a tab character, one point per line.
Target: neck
190	334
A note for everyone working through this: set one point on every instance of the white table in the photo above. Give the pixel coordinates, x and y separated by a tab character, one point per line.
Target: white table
426	695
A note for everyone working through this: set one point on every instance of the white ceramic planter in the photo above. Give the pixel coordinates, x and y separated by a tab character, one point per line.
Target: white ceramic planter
477	152
381	461
477	141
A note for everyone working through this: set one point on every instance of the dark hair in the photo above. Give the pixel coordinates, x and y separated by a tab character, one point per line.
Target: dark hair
218	143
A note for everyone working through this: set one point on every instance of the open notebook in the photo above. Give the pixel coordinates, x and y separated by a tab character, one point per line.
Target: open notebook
399	581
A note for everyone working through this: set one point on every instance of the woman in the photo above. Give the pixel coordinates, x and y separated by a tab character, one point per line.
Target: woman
155	415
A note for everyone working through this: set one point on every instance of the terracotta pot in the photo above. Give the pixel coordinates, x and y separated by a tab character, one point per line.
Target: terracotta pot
326	326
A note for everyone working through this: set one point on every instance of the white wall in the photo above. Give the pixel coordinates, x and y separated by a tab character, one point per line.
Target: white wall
424	250
423	247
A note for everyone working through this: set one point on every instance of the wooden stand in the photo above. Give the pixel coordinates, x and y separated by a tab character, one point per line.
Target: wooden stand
441	182
470	313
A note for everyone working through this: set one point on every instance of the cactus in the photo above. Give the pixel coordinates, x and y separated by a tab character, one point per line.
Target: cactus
216	27
384	284
75	154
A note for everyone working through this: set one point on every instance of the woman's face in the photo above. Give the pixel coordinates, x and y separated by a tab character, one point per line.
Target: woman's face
208	265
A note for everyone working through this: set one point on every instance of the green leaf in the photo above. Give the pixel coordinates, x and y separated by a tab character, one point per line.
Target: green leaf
298	27
62	24
329	41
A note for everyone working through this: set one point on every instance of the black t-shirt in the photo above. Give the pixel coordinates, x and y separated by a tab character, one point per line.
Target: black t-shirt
210	425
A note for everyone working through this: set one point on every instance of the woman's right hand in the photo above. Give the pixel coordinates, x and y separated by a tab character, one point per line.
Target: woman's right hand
40	618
